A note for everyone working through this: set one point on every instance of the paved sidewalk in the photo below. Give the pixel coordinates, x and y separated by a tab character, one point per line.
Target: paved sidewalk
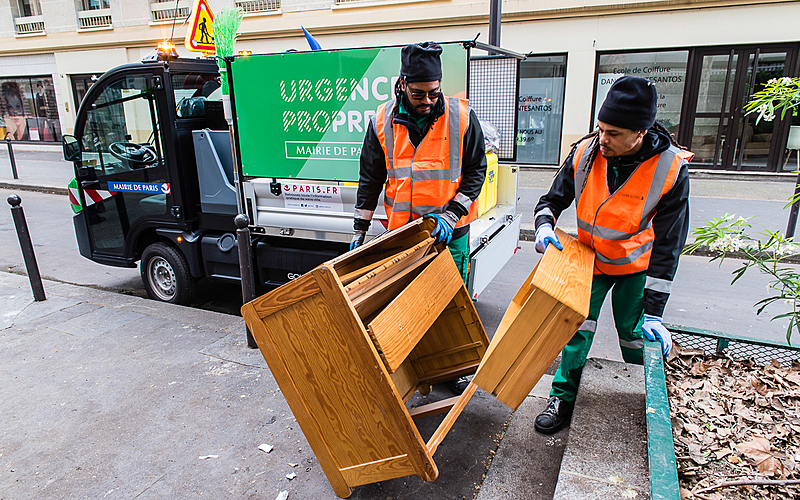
106	395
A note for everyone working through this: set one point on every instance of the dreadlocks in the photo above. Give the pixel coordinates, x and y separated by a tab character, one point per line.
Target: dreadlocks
595	148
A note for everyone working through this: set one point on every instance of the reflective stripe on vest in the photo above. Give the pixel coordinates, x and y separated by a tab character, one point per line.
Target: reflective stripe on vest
424	179
618	227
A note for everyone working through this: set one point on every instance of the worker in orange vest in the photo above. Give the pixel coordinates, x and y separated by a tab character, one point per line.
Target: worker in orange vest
632	202
429	151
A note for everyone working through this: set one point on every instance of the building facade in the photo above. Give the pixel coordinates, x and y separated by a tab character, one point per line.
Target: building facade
705	56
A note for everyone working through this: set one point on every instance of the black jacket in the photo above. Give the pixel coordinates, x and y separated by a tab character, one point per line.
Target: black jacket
372	175
670	223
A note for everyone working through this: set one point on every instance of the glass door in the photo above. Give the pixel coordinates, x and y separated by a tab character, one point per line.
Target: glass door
713	97
121	175
753	147
719	132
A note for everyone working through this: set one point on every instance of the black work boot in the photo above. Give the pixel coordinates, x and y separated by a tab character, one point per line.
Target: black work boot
457	386
554	416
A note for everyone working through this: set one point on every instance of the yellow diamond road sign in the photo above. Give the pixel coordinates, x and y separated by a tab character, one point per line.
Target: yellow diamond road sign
200	37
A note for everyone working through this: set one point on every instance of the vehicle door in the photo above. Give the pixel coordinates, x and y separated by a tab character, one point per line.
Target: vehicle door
122	176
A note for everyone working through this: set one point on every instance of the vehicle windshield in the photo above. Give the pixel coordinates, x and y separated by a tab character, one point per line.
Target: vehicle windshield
121	132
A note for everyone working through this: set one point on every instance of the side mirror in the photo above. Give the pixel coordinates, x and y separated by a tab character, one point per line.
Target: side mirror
72	150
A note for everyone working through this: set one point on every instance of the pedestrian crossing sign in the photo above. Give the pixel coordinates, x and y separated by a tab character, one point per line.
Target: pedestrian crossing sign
200	38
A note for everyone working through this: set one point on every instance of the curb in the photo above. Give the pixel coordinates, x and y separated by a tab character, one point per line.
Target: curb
38	189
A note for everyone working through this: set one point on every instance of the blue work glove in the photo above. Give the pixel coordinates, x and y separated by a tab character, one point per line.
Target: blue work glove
358	239
544	236
654	330
445	223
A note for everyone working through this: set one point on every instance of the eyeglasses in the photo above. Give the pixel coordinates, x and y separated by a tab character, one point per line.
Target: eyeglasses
420	95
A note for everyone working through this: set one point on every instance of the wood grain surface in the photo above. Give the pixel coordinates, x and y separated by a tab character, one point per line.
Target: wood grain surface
544	314
408	317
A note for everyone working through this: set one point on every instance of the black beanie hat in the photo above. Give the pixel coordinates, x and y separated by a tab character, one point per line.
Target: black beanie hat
420	62
630	103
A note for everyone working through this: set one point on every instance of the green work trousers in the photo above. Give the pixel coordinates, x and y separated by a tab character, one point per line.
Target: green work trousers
459	249
627	303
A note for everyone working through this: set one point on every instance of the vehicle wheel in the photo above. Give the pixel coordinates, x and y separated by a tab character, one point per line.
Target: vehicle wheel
166	275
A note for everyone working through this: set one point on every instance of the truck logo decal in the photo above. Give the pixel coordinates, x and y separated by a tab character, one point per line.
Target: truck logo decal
140	187
312	197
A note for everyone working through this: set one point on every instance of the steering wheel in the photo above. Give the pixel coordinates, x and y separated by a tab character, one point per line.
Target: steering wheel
138	154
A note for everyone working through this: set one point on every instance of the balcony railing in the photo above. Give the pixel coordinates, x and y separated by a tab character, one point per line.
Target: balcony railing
29	25
97	18
256	6
166	11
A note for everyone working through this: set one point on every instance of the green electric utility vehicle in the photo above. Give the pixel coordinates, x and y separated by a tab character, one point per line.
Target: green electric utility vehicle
161	171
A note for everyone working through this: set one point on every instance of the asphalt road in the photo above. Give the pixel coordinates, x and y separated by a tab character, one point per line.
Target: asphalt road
702	295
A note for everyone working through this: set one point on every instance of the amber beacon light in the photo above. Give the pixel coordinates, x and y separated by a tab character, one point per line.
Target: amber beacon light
166	50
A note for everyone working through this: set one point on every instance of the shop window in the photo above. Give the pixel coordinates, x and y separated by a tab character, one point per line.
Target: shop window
28	110
667	69
540	106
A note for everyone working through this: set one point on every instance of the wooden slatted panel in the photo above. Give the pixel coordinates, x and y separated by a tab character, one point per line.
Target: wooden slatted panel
381	295
398	263
519	323
376	258
403	323
384	246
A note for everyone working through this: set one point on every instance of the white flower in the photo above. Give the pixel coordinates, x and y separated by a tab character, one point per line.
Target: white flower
727	243
772	81
786	80
786	248
769	117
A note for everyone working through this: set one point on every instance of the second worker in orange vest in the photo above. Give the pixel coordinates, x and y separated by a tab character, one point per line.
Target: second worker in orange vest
428	150
630	183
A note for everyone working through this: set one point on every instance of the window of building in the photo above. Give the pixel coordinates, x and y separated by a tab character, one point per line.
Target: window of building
540	108
94	4
29	8
28	110
667	69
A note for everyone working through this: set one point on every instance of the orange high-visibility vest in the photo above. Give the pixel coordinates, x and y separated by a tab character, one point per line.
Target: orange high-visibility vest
618	226
424	179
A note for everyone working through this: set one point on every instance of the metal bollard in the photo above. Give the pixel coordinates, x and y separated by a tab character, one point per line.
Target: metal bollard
792	225
11	158
27	248
245	267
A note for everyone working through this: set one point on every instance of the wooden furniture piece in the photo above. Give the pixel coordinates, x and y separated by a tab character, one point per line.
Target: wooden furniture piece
541	319
352	340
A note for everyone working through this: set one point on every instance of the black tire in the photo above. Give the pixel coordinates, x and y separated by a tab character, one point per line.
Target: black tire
166	275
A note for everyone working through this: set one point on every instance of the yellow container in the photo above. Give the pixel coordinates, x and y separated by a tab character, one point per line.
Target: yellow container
488	196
